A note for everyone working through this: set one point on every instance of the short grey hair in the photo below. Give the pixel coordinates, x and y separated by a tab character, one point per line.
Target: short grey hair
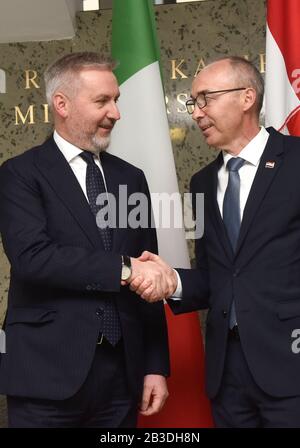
249	76
63	73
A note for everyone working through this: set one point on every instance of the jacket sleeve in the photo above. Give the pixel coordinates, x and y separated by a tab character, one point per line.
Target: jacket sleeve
33	255
195	282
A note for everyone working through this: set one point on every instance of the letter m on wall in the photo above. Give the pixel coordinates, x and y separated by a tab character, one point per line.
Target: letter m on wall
2	81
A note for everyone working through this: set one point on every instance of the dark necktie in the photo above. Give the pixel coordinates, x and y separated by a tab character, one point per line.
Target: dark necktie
94	186
232	213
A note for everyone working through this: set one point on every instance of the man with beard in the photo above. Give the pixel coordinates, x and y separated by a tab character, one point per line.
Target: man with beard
81	349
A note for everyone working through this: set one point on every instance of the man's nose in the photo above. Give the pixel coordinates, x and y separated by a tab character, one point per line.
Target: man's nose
113	111
198	113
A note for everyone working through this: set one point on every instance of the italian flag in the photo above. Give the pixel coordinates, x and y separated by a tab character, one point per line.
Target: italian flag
282	104
142	138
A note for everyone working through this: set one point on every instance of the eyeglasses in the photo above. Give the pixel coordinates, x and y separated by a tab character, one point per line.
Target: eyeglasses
201	99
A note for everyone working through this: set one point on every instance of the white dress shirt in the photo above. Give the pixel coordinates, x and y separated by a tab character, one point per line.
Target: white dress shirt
251	153
77	164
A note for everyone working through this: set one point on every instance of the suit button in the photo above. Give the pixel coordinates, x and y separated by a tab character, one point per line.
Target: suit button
224	312
99	312
88	287
236	272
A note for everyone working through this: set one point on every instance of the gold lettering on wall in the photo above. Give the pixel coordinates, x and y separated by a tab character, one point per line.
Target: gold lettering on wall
181	98
262	62
29	117
175	69
30	78
46	113
200	66
24	118
178	74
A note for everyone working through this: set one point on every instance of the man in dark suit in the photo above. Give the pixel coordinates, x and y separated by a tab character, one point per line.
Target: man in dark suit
81	349
248	260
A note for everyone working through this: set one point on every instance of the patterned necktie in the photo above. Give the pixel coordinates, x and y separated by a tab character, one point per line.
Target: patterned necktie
94	186
232	213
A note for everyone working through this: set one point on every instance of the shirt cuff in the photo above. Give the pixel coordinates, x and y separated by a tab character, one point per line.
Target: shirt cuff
177	295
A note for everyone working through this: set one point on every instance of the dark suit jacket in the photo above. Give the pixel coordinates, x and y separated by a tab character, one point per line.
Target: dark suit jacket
263	276
60	274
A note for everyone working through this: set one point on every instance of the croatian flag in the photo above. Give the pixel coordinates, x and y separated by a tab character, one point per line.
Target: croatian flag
282	101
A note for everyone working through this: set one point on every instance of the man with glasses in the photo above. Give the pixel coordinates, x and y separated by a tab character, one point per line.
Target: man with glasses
248	261
201	99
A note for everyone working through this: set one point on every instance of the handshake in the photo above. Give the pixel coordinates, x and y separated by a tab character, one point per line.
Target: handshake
151	278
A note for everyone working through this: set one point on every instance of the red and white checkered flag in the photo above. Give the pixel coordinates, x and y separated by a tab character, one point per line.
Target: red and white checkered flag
282	106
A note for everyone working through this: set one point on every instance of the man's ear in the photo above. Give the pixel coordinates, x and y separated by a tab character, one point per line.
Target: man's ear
61	104
249	98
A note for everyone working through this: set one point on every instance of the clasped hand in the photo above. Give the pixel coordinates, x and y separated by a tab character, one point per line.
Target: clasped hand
152	278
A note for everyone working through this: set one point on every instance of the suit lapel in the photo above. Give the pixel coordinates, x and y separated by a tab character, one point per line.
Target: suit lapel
214	207
262	182
53	165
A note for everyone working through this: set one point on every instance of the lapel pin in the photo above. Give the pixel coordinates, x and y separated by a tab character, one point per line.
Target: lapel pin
269	164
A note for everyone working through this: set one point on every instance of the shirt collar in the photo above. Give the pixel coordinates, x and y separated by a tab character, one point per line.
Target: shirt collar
252	152
69	150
